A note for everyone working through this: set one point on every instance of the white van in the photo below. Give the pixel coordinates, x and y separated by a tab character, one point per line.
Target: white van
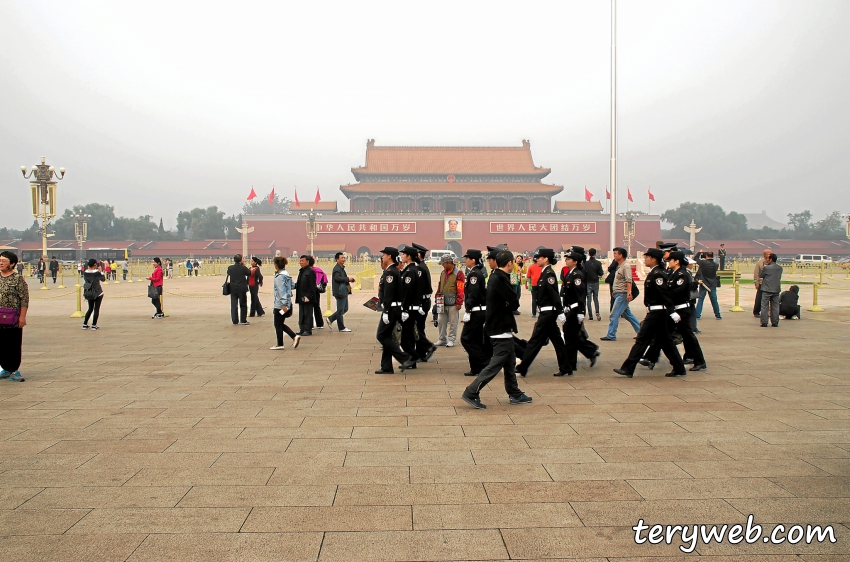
812	258
437	254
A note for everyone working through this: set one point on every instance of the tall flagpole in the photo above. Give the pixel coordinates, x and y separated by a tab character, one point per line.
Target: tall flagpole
613	125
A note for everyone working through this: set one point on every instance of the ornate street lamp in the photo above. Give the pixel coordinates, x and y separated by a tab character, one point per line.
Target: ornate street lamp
629	229
81	231
43	187
312	227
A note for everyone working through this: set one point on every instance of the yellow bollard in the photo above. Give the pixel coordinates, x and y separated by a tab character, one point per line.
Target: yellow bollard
129	272
328	308
821	274
79	312
815	307
61	277
162	302
737	307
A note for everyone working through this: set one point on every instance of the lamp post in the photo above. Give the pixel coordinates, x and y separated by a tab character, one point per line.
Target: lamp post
43	188
312	227
629	229
81	231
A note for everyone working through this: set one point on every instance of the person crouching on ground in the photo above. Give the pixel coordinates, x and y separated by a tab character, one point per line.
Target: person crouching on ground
789	303
283	303
500	325
14	303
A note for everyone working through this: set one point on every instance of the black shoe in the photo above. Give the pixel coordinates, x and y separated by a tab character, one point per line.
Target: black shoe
244	323
430	353
624	373
521	373
590	317
700	367
302	334
470	374
594	359
560	374
383	372
675	374
647	363
521	399
516	312
774	325
474	402
410	364
764	325
688	361
606	338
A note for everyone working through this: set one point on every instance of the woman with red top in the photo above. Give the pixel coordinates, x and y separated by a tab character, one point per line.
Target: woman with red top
255	281
156	281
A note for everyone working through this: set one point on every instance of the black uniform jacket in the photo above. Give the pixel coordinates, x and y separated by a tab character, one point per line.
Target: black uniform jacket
389	289
501	303
305	285
679	283
655	289
547	290
410	279
424	280
574	291
475	290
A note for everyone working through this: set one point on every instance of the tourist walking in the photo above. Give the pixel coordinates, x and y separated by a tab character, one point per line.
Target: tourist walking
196	267
500	325
321	287
593	272
283	303
42	270
622	292
238	275
708	282
107	270
156	282
340	289
450	296
516	279
54	268
771	285
255	281
113	266
531	279
305	293
14	303
188	267
125	267
93	293
170	268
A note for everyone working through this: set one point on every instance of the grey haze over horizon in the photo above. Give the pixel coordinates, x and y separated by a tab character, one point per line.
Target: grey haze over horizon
160	107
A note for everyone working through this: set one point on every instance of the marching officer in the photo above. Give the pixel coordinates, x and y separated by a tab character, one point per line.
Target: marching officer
492	252
574	293
551	313
390	297
680	294
424	348
473	339
411	301
659	306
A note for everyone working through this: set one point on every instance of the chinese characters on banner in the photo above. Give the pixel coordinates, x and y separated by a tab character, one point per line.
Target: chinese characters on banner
566	227
366	227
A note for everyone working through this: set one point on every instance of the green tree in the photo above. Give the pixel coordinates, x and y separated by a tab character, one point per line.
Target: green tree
714	221
801	222
206	224
279	206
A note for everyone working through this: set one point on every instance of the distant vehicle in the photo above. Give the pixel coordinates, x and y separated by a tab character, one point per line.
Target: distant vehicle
812	258
435	255
785	259
844	262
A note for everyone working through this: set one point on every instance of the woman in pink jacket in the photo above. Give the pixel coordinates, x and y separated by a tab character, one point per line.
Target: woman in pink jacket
156	281
321	281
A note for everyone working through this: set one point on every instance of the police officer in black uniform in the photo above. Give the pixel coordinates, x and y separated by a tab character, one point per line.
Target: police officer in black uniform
657	298
680	288
424	348
411	300
492	252
574	294
473	339
551	312
390	297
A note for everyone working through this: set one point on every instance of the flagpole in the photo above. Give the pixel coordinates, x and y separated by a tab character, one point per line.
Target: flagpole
613	209
648	200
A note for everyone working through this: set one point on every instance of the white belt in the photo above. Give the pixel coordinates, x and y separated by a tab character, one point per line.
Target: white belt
546	308
574	305
425	297
395	304
477	308
655	307
414	308
681	306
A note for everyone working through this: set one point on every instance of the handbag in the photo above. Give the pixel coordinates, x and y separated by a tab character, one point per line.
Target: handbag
153	292
8	316
225	287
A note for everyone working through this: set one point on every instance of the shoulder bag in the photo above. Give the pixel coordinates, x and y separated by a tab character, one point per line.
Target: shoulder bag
8	316
225	288
153	293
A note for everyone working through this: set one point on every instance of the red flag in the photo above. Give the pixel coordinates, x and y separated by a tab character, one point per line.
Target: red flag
297	202
271	197
607	193
318	197
587	195
253	194
629	191
651	196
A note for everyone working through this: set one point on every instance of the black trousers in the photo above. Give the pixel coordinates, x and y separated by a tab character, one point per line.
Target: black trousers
11	341
693	350
654	326
317	313
575	342
757	304
256	306
157	300
280	325
546	328
239	306
478	350
533	299
408	334
503	358
423	344
305	317
94	307
389	347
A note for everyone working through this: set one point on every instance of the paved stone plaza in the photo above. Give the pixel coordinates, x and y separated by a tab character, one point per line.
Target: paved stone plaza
188	439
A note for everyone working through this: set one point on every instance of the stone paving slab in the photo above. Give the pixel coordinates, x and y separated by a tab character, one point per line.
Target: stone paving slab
188	439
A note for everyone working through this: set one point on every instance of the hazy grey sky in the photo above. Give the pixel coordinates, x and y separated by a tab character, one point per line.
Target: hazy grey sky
160	106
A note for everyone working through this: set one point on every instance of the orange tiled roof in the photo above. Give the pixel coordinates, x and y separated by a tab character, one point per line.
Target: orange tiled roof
449	160
459	189
578	206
